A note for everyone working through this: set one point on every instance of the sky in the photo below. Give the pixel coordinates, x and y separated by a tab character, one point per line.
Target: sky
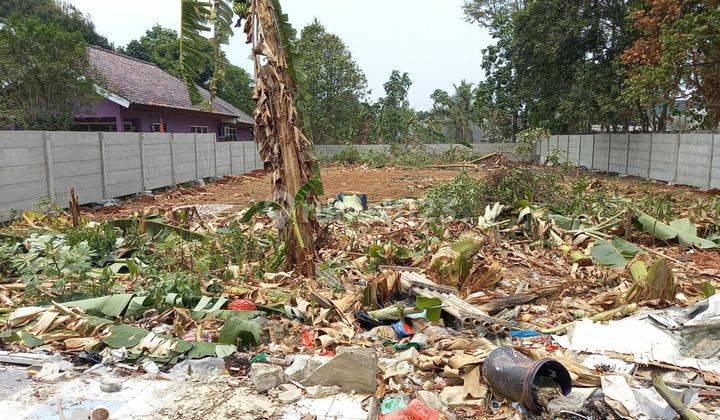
429	39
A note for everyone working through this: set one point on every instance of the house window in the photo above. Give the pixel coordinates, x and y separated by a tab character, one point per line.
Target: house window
198	129
93	126
128	126
229	133
157	129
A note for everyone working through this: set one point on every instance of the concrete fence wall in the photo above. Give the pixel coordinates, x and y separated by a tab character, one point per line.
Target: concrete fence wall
688	159
507	149
38	164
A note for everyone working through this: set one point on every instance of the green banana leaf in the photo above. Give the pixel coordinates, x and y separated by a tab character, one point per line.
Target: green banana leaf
432	307
260	206
157	229
681	229
247	331
614	253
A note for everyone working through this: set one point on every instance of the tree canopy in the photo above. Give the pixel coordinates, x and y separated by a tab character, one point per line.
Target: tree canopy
43	71
63	14
334	84
567	65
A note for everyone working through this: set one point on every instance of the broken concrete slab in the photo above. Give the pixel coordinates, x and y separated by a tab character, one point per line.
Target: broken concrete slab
303	365
352	369
266	376
319	391
289	394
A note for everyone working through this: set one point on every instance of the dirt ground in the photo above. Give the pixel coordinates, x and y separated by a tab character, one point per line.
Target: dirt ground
378	184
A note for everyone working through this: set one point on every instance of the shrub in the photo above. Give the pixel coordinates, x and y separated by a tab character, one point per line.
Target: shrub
459	198
512	184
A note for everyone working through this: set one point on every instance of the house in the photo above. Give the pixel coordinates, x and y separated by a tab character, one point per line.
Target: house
139	96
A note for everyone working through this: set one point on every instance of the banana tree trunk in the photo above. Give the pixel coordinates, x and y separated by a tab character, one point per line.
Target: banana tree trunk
283	147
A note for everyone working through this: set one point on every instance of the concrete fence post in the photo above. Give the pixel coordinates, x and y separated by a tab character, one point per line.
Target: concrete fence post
580	142
47	150
103	175
650	156
214	143
231	159
608	153
172	158
712	160
627	151
677	157
567	148
197	160
141	143
592	155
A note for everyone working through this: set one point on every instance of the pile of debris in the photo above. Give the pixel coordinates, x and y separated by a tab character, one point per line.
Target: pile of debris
518	311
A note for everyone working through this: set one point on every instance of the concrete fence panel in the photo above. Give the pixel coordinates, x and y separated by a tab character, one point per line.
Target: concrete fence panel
663	161
601	153
184	166
587	143
77	163
688	159
205	155
98	165
23	170
222	158
237	158
157	160
715	167
249	159
618	153
122	163
639	155
694	160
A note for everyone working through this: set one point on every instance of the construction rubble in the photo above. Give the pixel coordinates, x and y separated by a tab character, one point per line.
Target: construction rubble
513	312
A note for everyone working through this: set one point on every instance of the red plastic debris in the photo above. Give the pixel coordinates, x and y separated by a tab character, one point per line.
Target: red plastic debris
242	305
307	338
415	410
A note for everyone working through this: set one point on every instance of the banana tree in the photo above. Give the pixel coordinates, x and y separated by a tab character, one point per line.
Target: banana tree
283	147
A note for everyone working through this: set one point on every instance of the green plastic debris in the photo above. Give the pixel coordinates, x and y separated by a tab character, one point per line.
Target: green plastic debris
259	358
392	403
404	346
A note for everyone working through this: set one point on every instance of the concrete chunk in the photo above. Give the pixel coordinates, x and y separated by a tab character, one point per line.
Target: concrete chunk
353	369
266	376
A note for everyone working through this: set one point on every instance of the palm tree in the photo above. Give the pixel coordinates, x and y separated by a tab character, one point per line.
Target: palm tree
283	147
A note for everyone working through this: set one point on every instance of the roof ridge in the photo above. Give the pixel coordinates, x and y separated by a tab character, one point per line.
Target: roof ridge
123	55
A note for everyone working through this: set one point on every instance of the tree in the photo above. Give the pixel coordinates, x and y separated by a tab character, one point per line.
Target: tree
43	75
161	47
395	117
63	14
553	64
236	86
456	109
335	86
675	56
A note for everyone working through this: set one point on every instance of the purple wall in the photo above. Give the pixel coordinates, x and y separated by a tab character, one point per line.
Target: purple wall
144	118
